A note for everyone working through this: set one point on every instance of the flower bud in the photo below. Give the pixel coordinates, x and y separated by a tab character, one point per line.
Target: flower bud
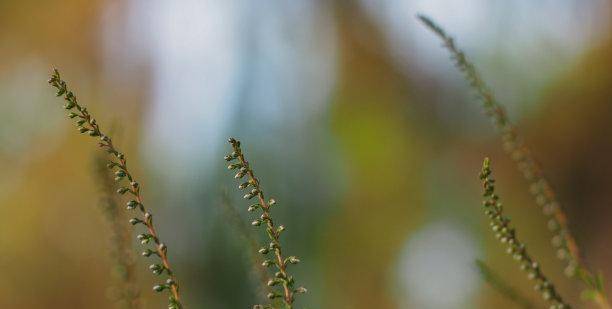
159	288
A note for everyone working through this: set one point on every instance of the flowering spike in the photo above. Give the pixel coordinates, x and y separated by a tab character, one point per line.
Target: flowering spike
507	235
282	282
87	124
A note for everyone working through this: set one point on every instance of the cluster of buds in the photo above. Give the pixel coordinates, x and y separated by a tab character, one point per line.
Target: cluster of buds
514	145
562	240
282	284
86	124
506	234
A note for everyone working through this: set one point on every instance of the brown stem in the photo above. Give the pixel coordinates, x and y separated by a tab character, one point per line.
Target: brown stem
282	268
89	125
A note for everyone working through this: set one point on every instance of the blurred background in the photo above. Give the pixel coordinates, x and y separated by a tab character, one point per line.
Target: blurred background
353	117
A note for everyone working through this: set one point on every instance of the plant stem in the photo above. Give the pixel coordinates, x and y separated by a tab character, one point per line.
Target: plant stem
273	231
87	124
275	236
540	188
506	234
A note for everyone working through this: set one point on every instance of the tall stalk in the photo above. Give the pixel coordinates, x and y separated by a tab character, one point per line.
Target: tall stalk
562	240
86	124
281	278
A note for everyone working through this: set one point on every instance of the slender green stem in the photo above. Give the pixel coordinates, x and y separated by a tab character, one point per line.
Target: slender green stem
86	124
506	234
281	277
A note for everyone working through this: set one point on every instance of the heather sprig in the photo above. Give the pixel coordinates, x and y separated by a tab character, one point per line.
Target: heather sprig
86	124
506	234
282	282
498	284
127	292
540	188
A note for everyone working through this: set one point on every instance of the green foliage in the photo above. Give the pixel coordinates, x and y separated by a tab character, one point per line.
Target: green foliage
282	282
506	234
86	124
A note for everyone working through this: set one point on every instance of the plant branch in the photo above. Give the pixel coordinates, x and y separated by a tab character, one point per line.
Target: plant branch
86	124
281	276
506	234
540	188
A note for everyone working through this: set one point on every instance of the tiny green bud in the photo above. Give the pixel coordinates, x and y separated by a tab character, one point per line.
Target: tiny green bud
123	190
156	269
263	250
292	260
267	263
253	207
144	238
159	288
234	166
147	252
273	282
131	204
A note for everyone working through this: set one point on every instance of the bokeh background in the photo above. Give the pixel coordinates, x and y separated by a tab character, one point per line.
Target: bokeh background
353	117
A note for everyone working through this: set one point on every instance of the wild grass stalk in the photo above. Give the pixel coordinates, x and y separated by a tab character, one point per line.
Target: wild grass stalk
86	124
282	279
563	241
126	292
506	234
